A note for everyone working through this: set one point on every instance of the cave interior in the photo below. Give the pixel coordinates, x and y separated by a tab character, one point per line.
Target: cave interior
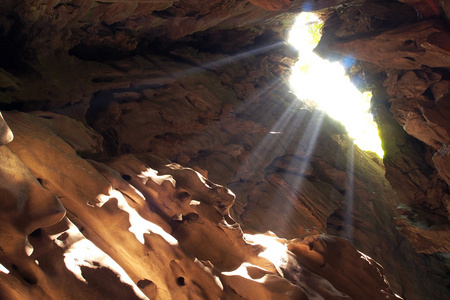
154	149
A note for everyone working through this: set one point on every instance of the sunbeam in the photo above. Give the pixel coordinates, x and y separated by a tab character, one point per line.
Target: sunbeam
312	132
309	143
286	125
218	63
248	107
348	204
294	135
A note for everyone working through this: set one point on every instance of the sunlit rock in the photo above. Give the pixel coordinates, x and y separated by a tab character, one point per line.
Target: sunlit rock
186	168
6	134
338	262
138	229
25	206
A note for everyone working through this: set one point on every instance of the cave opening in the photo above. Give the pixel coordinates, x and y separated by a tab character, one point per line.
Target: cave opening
325	86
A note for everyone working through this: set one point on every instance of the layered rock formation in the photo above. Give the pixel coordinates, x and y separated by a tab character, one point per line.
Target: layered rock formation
407	64
158	153
132	232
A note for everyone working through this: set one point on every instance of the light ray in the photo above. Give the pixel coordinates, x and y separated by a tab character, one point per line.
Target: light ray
216	64
312	132
309	143
309	139
286	124
248	106
349	195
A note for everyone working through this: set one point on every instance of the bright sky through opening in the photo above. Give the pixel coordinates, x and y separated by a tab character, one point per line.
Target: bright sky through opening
325	84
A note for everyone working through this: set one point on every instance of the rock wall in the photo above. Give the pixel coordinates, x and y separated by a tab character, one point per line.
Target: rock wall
158	152
406	62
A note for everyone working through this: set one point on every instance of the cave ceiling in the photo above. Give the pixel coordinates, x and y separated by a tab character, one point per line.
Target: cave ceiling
162	137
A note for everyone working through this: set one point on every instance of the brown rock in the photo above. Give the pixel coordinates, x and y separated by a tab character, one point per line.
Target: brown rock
204	84
426	8
272	5
324	255
6	134
25	206
410	47
441	161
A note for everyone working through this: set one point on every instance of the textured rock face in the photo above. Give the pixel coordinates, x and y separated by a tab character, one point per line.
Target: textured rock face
408	65
134	232
158	153
6	134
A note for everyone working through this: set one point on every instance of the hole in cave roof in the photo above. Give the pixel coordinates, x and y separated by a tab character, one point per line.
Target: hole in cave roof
324	85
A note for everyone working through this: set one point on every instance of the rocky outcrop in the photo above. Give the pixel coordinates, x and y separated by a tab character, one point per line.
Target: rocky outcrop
408	67
159	153
6	134
136	232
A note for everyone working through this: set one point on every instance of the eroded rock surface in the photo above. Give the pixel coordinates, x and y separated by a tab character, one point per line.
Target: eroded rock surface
135	232
405	61
159	153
